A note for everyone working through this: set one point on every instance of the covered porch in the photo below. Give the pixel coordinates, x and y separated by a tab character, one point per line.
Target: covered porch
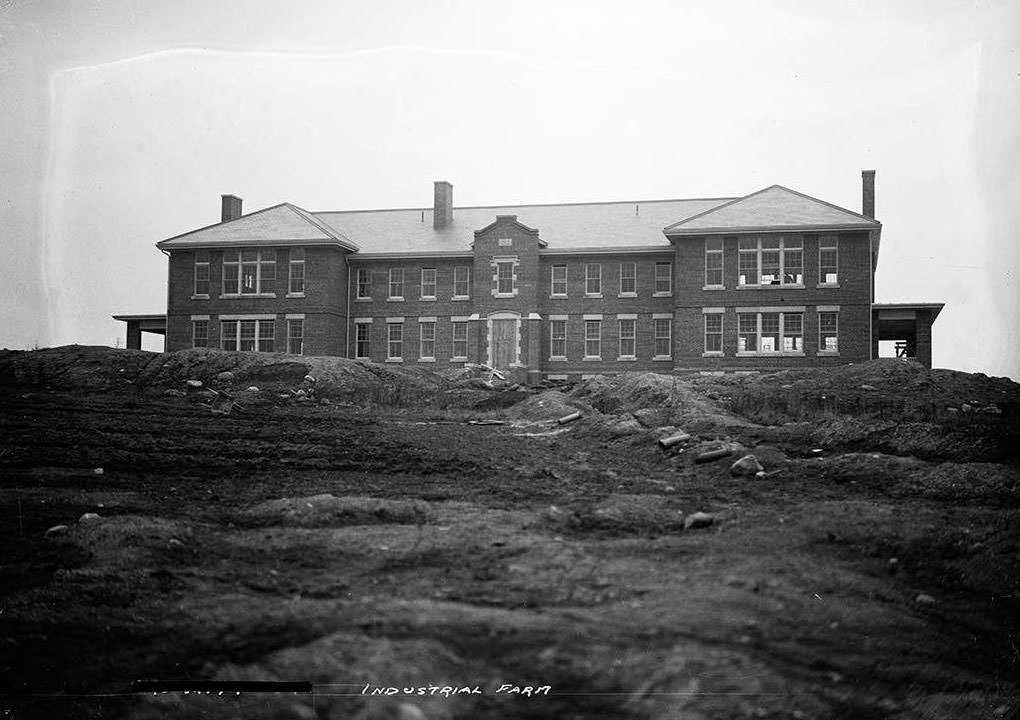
908	325
137	324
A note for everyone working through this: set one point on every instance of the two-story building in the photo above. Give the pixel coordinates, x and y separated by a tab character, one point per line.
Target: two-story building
771	279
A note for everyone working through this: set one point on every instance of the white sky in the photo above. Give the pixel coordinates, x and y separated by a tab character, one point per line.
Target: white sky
123	123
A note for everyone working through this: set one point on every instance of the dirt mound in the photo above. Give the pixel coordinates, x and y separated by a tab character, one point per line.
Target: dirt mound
967	481
328	510
547	405
125	540
621	514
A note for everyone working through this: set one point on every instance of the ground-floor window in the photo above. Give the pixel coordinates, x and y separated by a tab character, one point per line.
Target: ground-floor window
248	335
296	336
828	332
627	338
769	333
592	338
558	338
713	332
663	333
199	333
394	341
427	345
460	340
362	337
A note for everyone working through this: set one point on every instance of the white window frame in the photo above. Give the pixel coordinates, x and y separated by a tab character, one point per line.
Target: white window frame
234	262
500	262
425	284
713	314
396	282
363	281
632	277
553	281
263	337
466	281
458	325
828	243
714	251
627	335
201	269
298	338
593	280
787	245
666	278
662	321
195	324
834	312
557	323
427	339
394	339
360	323
296	272
592	323
785	320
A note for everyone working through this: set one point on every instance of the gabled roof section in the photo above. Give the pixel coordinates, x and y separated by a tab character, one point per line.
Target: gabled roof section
279	225
512	219
774	208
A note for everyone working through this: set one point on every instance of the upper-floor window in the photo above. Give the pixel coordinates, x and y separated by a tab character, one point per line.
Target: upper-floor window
828	261
713	262
663	279
364	283
770	333
771	260
396	284
593	279
296	279
202	273
461	281
248	335
628	278
627	338
505	274
296	336
428	284
249	272
713	332
559	281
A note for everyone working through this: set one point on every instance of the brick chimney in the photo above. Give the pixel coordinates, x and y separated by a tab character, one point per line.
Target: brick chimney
868	193
231	208
442	207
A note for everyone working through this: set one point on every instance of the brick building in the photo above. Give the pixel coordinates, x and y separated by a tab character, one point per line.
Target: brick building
772	279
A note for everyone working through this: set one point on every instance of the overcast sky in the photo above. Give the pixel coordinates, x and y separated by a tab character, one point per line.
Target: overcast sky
124	122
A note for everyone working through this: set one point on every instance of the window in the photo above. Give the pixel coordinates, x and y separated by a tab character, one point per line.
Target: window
593	339
828	261
199	333
296	279
593	279
296	336
427	340
505	277
627	335
828	332
428	284
394	340
628	278
248	335
770	333
558	339
461	281
396	284
559	281
202	275
662	330
364	283
460	340
714	262
249	272
713	332
771	260
362	339
663	279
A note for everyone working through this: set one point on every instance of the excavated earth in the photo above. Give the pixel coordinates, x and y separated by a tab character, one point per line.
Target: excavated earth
351	525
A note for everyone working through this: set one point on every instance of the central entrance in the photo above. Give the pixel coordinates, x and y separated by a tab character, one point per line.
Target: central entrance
504	340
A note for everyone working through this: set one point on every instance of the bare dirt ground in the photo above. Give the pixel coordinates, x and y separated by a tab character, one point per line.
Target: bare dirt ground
365	531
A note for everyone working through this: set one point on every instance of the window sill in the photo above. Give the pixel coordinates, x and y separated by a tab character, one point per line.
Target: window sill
662	357
593	296
592	358
427	360
394	360
362	357
237	296
771	287
295	295
662	294
362	299
558	358
713	354
394	299
626	358
504	296
557	297
770	354
713	287
627	295
834	285
199	297
458	298
458	359
427	298
827	353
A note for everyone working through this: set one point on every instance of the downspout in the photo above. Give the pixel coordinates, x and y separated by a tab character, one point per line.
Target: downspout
347	307
166	337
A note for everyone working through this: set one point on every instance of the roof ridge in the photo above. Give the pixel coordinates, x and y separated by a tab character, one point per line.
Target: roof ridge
525	205
324	227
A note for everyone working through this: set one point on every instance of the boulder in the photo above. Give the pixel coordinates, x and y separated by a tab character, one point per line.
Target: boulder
193	383
653	417
226	375
89	517
698	520
924	599
625	427
747	466
56	531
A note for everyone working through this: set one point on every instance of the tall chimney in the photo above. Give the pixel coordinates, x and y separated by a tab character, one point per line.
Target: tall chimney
868	193
442	207
231	208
